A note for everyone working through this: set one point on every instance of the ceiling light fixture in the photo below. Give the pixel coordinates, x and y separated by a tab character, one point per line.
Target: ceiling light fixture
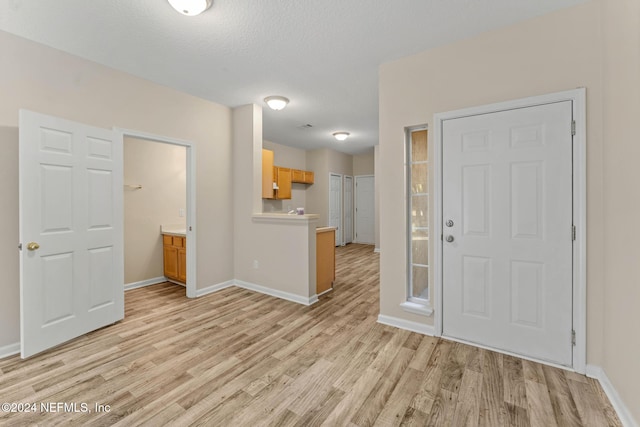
341	136
190	7
276	102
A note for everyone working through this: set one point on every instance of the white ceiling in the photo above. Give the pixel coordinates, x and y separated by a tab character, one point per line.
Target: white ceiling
321	54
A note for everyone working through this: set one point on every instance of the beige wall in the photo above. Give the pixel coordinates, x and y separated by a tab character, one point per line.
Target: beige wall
288	157
284	249
48	81
555	52
161	170
364	163
376	184
594	45
621	346
324	162
9	254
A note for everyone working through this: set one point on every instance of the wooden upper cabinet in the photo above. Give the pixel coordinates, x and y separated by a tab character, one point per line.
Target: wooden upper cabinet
302	177
308	177
297	175
283	180
267	174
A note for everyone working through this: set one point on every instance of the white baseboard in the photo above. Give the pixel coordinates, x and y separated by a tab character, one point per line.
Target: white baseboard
214	288
621	409
143	283
9	350
420	328
275	293
376	250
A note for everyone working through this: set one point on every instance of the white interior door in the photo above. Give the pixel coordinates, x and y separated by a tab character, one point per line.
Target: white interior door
348	209
507	224
335	205
365	209
71	264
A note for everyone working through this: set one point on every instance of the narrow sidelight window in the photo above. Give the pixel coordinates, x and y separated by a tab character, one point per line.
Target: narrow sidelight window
417	215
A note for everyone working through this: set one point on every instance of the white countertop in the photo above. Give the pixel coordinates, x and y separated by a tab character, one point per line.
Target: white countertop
174	230
285	217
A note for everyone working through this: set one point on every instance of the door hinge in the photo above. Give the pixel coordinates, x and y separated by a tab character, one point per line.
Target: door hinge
573	127
573	232
573	337
20	246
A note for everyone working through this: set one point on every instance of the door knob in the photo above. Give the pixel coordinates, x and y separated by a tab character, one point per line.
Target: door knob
449	238
33	246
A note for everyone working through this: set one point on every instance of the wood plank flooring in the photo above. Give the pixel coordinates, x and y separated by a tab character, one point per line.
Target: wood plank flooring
237	358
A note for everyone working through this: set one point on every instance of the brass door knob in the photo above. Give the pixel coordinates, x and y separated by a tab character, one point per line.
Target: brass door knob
33	246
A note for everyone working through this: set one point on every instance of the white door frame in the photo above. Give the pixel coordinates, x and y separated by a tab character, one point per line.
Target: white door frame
577	96
191	196
355	205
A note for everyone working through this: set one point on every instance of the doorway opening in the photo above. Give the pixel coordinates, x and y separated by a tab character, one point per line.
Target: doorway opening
159	211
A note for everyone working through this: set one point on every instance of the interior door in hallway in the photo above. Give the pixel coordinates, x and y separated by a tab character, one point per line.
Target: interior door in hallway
348	210
507	224
71	264
335	205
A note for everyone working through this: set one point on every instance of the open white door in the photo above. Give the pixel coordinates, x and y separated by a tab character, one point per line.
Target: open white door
71	265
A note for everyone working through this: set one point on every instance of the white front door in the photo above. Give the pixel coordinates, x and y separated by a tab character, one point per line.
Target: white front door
335	205
507	230
71	264
348	209
365	207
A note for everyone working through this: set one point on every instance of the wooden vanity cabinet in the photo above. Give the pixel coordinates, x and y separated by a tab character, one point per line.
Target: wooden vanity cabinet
175	257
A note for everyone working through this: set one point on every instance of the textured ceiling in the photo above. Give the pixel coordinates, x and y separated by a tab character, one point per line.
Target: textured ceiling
321	54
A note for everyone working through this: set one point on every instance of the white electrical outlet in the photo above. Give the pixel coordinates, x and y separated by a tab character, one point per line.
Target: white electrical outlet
181	213
256	264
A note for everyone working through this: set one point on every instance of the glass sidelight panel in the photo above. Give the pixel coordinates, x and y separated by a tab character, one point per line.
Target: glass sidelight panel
417	176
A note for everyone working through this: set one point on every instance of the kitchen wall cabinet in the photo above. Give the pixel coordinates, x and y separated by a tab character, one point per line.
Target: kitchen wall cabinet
302	177
175	257
282	178
267	174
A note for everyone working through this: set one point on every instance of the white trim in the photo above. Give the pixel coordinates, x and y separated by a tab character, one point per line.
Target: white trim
191	197
325	292
415	308
408	325
621	409
578	97
275	293
9	350
143	283
214	288
376	250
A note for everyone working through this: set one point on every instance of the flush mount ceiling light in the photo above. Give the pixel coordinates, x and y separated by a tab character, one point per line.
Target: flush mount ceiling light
341	136
190	7
276	102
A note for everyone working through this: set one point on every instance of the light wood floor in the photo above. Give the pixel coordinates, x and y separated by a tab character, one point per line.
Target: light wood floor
237	358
